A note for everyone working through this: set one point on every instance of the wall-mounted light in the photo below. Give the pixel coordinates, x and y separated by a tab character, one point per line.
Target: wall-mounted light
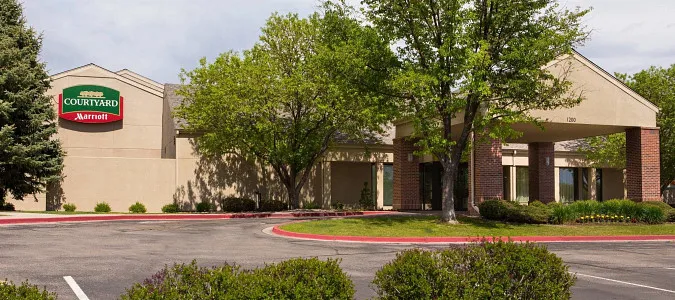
410	157
548	161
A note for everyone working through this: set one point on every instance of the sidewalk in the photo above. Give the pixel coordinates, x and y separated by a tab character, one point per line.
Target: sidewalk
9	218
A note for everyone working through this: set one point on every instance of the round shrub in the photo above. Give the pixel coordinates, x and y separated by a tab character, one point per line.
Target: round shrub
652	214
69	207
9	291
272	205
137	208
234	204
7	206
102	207
186	282
298	279
170	208
500	270
531	214
204	207
660	204
671	215
495	209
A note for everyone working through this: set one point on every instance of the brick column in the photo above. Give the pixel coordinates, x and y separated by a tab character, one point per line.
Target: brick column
643	169
488	171
406	175
541	159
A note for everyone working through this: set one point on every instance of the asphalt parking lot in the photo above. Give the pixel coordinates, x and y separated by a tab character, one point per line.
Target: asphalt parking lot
104	258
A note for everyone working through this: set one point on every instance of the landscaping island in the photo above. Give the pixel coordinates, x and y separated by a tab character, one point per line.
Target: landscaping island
429	226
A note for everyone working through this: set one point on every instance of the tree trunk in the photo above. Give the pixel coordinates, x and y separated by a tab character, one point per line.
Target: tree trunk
450	169
293	196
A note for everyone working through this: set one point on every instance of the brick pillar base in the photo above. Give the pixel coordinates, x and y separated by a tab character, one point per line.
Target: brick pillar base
488	173
643	169
541	159
406	175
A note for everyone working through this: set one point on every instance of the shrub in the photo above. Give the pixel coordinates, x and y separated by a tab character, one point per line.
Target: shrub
671	215
561	214
660	204
272	205
652	214
204	206
137	208
528	214
186	282
366	199
298	279
234	204
9	291
537	203
7	206
495	209
310	205
102	207
500	270
69	207
292	279
337	205
170	208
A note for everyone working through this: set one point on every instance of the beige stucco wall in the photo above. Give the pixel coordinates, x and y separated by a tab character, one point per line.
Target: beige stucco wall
613	184
347	180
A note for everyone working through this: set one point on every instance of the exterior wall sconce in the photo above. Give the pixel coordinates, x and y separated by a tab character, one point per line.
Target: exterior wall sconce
410	157
548	161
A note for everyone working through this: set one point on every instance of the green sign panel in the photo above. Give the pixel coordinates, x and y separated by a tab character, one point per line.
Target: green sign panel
90	104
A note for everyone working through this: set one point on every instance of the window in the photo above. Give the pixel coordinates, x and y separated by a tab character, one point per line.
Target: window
598	184
388	185
567	184
585	195
522	185
506	184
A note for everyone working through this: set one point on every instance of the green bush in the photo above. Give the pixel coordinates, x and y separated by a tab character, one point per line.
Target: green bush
137	208
652	214
9	291
500	270
495	209
660	204
537	203
366	199
298	279
7	206
310	205
205	207
186	282
103	207
234	204
337	205
69	207
272	205
170	208
671	215
292	279
562	214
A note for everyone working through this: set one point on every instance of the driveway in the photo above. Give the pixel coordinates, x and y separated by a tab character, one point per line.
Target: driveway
104	258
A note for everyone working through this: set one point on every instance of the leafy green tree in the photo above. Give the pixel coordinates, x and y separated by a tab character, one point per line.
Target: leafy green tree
656	85
475	66
306	84
30	154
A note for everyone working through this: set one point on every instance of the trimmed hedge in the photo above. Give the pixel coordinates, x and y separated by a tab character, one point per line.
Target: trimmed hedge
500	270
292	279
234	204
272	205
10	291
137	208
102	207
170	208
500	210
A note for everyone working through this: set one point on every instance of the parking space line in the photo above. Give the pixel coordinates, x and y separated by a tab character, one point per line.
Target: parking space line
670	268
76	288
628	283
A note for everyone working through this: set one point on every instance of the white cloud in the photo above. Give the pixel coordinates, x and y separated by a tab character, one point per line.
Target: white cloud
157	38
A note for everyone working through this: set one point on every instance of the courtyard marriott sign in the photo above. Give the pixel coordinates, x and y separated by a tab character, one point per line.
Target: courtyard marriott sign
90	104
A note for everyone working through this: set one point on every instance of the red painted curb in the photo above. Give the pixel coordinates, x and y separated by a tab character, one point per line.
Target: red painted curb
92	218
421	240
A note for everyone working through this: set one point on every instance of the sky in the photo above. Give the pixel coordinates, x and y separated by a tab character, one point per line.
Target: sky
158	38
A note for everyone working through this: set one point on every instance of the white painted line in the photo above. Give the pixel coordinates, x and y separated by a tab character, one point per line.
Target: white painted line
670	268
628	283
76	288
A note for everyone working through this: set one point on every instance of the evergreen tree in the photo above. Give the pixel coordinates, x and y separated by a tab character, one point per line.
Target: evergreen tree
30	154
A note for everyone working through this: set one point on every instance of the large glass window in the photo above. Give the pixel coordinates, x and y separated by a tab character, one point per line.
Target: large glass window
388	185
598	184
506	184
567	184
522	185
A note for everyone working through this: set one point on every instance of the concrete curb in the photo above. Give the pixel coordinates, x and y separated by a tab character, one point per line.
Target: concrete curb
187	217
463	240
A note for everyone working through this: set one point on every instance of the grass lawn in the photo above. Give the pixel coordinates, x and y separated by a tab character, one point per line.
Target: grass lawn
471	227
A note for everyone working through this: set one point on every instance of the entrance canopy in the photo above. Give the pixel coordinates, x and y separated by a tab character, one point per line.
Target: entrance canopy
608	107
